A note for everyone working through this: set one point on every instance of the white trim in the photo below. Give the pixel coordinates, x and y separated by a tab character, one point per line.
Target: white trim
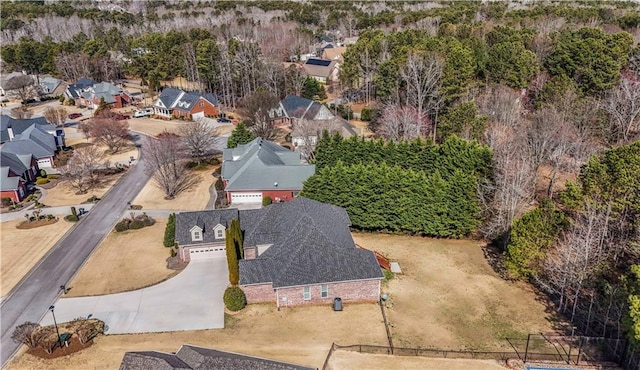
305	290
297	286
325	293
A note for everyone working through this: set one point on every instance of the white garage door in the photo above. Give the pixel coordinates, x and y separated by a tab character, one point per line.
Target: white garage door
195	116
206	253
246	198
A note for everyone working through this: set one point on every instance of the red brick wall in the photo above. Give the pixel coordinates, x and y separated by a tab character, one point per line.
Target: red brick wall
352	291
209	109
13	194
284	195
259	293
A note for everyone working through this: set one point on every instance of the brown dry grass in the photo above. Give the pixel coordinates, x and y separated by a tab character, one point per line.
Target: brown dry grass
63	194
194	199
153	127
298	335
448	296
124	261
342	360
22	249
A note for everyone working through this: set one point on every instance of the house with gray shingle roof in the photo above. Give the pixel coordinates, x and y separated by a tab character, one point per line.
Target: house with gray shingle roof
16	171
52	86
36	141
260	169
193	357
295	253
177	103
89	93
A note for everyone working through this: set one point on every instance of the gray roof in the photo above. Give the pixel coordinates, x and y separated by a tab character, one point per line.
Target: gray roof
315	67
34	140
206	220
169	96
263	165
184	101
311	244
335	124
15	162
8	183
76	88
49	84
199	358
19	125
152	360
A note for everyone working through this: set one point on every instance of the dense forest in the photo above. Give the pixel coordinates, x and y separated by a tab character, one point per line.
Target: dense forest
541	101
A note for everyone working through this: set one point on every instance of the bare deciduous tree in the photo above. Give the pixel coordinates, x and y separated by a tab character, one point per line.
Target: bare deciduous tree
86	329
198	138
21	113
73	66
421	75
25	334
110	132
306	133
49	340
404	122
56	115
82	169
257	108
623	106
22	87
165	162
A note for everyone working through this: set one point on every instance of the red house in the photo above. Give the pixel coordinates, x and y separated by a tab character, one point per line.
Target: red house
175	103
88	93
16	171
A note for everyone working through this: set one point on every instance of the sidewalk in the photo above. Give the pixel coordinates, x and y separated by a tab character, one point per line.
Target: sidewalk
61	210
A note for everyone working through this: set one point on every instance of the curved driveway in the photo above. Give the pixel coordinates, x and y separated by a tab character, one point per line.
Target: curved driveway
191	300
31	298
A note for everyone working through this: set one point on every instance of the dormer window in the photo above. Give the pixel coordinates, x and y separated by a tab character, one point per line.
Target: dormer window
219	234
218	231
196	234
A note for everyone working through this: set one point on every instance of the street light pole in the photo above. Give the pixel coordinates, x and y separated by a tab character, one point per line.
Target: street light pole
55	324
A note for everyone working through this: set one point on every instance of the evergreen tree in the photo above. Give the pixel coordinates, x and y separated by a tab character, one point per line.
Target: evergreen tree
232	258
240	135
170	231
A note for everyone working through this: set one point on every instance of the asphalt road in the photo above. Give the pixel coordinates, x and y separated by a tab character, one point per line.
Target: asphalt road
32	297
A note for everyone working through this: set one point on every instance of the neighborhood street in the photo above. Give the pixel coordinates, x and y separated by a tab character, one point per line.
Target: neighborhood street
31	299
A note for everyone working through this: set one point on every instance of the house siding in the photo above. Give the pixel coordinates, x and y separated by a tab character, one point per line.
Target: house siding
259	293
284	195
349	291
209	109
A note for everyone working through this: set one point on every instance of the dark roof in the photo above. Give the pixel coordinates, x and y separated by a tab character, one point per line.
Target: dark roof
152	360
13	162
169	96
326	38
206	220
85	82
20	125
295	106
76	88
184	101
318	62
310	244
198	358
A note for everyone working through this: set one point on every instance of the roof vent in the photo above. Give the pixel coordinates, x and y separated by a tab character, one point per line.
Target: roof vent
275	184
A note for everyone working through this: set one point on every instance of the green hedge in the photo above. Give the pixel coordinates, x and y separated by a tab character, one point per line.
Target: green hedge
234	298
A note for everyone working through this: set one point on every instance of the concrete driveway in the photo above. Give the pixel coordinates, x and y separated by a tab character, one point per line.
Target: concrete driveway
191	300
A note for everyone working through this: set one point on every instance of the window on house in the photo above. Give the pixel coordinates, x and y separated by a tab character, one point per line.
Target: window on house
324	291
201	104
196	235
306	293
219	234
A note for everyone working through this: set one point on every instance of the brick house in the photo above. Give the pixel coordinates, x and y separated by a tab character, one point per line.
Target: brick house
87	92
16	172
177	103
261	169
295	253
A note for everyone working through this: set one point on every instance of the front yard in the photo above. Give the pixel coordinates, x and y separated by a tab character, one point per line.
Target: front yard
23	248
194	199
448	296
297	335
124	261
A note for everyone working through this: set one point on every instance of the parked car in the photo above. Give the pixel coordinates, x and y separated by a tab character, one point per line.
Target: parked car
224	120
75	115
143	112
120	117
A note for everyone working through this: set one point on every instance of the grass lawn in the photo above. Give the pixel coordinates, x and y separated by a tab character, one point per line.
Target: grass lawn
153	127
124	261
63	194
298	335
448	296
354	360
23	248
196	198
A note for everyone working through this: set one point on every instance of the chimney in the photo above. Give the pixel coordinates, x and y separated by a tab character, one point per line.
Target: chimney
10	132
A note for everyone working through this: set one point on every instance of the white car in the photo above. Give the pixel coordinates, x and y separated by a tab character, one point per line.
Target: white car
143	112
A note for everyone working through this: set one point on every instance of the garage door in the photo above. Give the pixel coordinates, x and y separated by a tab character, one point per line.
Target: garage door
206	253
246	198
197	115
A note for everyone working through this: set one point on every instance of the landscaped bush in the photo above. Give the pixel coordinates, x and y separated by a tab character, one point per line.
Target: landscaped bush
136	207
219	185
122	226
266	201
6	201
234	298
136	224
43	173
53	177
41	181
71	218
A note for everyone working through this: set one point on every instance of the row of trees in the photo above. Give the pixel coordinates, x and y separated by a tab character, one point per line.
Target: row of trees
584	253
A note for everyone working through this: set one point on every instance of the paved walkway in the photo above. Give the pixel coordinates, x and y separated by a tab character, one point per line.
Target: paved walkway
192	300
60	211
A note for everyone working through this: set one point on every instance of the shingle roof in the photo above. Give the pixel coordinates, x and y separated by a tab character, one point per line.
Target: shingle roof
152	360
169	96
263	165
49	84
311	244
319	67
334	124
206	220
295	106
198	358
187	101
76	88
19	125
184	101
34	140
15	162
8	183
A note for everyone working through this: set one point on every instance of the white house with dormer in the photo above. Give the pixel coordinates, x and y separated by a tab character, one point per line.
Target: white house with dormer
176	103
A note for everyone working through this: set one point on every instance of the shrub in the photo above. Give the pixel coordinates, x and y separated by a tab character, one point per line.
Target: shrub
43	173
6	201
61	98
70	101
234	298
41	181
74	212
71	218
122	226
170	231
266	201
53	177
388	275
24	333
136	224
136	207
219	185
148	221
365	114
